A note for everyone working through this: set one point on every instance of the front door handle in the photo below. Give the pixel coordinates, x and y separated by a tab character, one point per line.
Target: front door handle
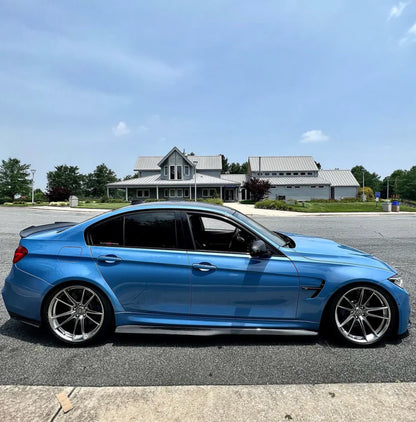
109	259
204	266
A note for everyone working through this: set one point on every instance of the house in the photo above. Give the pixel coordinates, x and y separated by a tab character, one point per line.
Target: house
178	176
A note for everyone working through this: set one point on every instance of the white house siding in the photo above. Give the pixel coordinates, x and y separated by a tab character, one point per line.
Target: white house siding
212	173
301	193
341	192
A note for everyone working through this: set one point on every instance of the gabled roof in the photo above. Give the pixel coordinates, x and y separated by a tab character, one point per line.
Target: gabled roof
205	162
339	177
174	149
282	163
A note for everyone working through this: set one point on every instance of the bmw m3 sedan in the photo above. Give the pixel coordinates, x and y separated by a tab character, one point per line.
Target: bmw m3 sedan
193	268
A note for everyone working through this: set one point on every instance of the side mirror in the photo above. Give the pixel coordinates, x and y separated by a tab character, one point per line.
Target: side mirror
259	249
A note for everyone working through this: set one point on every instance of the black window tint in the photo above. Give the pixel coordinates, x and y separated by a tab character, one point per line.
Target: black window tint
150	230
107	233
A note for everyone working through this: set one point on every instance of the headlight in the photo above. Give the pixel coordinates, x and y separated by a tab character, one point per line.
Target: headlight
397	280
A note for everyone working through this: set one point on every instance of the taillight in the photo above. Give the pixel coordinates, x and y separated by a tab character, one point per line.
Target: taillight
19	253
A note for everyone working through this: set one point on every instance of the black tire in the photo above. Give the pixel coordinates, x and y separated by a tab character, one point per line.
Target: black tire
362	315
77	314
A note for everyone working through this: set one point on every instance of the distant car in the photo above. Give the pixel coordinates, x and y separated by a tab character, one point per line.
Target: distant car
198	269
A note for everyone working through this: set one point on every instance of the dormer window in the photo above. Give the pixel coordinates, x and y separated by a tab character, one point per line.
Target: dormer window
179	172
172	172
165	170
186	170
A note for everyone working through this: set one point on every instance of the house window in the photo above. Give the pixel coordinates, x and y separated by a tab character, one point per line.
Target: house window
179	193
267	174
303	174
274	174
165	170
179	172
166	193
295	174
172	172
186	170
288	187
313	187
172	193
142	193
212	192
320	187
281	174
309	173
186	193
297	187
205	193
288	174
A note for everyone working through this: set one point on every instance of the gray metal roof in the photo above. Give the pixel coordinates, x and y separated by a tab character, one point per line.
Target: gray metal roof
304	181
282	163
237	178
339	177
205	162
155	180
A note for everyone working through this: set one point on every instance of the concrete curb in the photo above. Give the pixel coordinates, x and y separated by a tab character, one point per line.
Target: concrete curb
326	402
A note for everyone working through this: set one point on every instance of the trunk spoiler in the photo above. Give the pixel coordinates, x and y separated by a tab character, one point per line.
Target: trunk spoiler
28	231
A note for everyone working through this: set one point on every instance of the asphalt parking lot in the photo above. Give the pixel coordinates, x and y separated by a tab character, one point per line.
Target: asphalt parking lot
31	357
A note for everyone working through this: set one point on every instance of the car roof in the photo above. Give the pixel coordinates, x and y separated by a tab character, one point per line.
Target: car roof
184	205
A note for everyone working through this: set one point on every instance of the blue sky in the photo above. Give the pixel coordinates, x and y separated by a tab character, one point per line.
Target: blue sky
87	82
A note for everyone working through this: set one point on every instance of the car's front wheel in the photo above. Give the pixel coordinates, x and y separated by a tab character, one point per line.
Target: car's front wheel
77	314
362	314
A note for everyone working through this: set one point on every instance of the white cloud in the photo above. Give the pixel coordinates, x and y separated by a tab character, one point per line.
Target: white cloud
312	136
121	129
410	35
397	10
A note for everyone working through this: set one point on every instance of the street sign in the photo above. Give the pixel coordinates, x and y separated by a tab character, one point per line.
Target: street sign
377	195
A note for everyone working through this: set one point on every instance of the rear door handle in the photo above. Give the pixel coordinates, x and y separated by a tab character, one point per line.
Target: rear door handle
109	259
204	267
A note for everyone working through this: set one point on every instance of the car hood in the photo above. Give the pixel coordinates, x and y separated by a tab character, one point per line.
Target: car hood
325	250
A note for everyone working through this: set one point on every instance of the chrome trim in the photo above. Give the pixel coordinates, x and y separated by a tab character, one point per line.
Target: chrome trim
210	331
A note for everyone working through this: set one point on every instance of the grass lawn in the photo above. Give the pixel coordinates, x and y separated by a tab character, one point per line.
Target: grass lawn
104	205
344	207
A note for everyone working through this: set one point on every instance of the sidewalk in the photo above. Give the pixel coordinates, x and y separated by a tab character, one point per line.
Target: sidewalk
271	403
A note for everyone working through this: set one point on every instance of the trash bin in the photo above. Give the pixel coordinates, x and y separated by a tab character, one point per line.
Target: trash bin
395	206
73	201
386	206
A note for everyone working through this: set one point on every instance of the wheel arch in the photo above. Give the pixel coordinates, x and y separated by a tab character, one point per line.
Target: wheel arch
324	321
58	286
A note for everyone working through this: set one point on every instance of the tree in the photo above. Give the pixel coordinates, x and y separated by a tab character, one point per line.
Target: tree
95	182
14	178
258	188
65	179
371	180
225	165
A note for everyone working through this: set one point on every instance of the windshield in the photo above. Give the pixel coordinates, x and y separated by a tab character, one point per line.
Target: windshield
260	228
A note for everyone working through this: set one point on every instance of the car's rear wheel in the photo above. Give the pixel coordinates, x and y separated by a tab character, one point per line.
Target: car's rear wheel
362	314
77	314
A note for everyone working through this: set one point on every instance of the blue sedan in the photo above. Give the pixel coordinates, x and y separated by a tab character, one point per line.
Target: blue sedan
198	269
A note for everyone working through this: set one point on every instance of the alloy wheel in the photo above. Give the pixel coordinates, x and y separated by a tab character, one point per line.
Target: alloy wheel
363	315
76	314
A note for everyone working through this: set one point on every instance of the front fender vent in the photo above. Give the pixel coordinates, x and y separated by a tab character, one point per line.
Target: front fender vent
314	289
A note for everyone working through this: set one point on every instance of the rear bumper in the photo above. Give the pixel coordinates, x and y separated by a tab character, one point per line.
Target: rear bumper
23	294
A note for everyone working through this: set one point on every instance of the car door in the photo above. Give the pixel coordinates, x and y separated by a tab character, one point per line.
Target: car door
139	255
228	282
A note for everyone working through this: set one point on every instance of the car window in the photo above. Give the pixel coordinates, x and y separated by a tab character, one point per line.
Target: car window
136	230
216	234
150	230
107	233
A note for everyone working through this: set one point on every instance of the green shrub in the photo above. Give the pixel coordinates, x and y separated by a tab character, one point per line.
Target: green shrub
215	201
154	200
273	204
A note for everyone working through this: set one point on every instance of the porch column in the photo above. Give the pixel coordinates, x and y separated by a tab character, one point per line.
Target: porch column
127	194
108	192
157	192
221	193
